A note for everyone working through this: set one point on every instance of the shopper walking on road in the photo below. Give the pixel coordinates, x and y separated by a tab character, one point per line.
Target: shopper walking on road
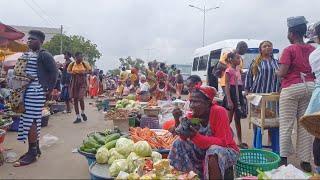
78	85
65	81
42	69
297	86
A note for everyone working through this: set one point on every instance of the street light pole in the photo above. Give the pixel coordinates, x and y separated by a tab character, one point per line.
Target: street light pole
204	10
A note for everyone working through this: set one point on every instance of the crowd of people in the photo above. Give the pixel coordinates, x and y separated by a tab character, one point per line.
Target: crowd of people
295	76
158	82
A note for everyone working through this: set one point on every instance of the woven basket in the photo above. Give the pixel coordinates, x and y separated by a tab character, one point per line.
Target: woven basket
312	123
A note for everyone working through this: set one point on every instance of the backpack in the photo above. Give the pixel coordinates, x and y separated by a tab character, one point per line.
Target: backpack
19	84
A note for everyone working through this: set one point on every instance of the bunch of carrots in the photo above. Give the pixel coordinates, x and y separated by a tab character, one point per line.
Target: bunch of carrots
164	141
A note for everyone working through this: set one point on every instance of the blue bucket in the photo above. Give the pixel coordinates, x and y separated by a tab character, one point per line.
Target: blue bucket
91	158
99	171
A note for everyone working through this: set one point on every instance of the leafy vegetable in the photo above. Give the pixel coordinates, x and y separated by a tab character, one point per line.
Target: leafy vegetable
102	155
117	166
156	156
132	161
114	155
142	149
124	146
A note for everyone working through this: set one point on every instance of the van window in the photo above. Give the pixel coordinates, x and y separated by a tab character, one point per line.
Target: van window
195	64
203	63
215	57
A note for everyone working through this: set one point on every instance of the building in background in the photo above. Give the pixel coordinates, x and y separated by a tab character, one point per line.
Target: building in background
49	32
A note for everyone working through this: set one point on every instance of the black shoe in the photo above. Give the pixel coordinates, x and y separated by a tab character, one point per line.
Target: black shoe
284	161
84	117
306	166
78	120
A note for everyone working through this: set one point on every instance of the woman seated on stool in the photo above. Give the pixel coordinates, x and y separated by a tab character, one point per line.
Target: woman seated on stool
210	150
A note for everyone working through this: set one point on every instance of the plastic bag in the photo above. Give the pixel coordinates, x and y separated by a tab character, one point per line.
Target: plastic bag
286	172
48	140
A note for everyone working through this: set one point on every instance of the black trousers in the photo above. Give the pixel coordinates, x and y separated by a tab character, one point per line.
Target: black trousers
316	151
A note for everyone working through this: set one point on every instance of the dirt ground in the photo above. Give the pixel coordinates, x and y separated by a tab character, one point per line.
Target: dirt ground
58	161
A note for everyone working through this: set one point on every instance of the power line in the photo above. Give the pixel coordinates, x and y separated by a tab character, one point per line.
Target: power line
51	19
35	11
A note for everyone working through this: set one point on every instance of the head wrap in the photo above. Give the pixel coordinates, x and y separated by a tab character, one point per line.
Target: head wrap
311	32
161	75
208	91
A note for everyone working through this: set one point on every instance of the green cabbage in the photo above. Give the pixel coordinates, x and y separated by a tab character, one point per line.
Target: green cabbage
122	175
102	155
124	146
156	156
132	161
114	155
142	149
117	166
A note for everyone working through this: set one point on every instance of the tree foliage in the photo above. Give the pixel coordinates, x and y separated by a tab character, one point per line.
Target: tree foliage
130	63
73	44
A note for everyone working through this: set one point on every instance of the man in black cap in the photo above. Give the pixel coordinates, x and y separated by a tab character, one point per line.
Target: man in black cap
297	85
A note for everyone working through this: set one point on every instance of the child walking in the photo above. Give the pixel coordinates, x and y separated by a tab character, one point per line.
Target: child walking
234	97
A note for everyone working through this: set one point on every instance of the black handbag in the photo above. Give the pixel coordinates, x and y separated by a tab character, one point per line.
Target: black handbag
241	110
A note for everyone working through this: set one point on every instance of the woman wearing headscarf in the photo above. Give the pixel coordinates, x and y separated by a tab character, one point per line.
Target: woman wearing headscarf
160	90
314	104
78	85
210	150
297	85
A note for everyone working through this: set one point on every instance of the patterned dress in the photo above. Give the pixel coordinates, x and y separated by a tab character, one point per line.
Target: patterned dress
34	100
185	156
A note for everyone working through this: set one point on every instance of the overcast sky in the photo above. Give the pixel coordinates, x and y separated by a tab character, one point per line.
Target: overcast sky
170	29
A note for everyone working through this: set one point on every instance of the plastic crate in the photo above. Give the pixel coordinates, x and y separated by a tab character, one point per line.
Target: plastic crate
150	122
252	160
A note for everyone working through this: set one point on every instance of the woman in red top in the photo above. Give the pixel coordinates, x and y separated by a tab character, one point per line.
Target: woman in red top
210	150
297	85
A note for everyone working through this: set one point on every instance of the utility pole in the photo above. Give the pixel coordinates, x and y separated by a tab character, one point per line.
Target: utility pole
204	10
61	33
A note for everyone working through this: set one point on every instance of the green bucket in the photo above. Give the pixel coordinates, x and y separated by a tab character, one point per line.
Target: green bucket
252	160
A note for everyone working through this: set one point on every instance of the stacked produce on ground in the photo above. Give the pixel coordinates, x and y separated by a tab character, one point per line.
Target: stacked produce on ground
129	160
156	141
96	140
113	114
127	104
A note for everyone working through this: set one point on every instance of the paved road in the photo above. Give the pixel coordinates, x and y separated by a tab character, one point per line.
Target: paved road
58	161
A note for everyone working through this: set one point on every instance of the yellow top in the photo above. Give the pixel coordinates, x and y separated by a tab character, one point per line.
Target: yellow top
223	59
75	68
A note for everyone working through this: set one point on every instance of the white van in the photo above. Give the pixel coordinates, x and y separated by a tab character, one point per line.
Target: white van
205	58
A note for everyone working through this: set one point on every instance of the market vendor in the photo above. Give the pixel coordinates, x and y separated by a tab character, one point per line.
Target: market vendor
143	93
160	90
210	150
